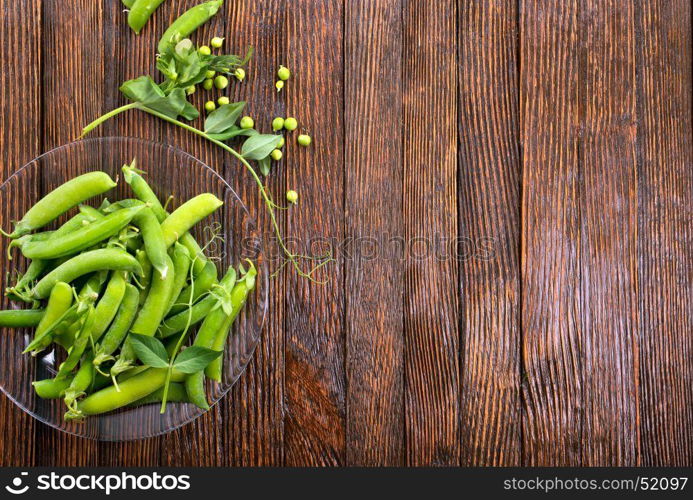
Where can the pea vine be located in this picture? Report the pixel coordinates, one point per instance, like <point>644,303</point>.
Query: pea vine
<point>183,66</point>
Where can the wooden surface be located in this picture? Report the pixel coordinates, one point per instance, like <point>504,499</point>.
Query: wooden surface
<point>509,189</point>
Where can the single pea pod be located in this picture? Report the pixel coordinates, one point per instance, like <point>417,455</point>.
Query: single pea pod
<point>188,22</point>
<point>176,394</point>
<point>187,215</point>
<point>152,312</point>
<point>52,388</point>
<point>195,389</point>
<point>62,199</point>
<point>94,260</point>
<point>145,193</point>
<point>154,244</point>
<point>120,326</point>
<point>74,354</point>
<point>128,391</point>
<point>82,381</point>
<point>21,318</point>
<point>107,307</point>
<point>181,266</point>
<point>59,303</point>
<point>147,271</point>
<point>81,238</point>
<point>239,296</point>
<point>140,12</point>
<point>201,284</point>
<point>22,289</point>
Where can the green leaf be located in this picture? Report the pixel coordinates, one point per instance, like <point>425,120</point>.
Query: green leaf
<point>265,164</point>
<point>195,359</point>
<point>234,132</point>
<point>142,89</point>
<point>259,146</point>
<point>224,117</point>
<point>149,350</point>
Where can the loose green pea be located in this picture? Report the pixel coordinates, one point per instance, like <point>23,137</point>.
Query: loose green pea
<point>191,90</point>
<point>221,82</point>
<point>277,124</point>
<point>204,50</point>
<point>217,42</point>
<point>279,85</point>
<point>292,196</point>
<point>210,106</point>
<point>239,74</point>
<point>247,122</point>
<point>208,84</point>
<point>290,123</point>
<point>223,100</point>
<point>283,73</point>
<point>276,155</point>
<point>281,143</point>
<point>304,140</point>
<point>210,73</point>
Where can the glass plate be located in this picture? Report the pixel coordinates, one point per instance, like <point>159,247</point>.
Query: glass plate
<point>169,172</point>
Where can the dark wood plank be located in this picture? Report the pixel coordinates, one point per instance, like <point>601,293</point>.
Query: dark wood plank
<point>253,412</point>
<point>373,213</point>
<point>608,246</point>
<point>20,119</point>
<point>665,231</point>
<point>489,214</point>
<point>430,216</point>
<point>73,82</point>
<point>315,389</point>
<point>551,310</point>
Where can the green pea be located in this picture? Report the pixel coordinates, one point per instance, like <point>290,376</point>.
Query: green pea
<point>204,50</point>
<point>217,42</point>
<point>283,73</point>
<point>281,143</point>
<point>221,82</point>
<point>276,155</point>
<point>290,123</point>
<point>223,100</point>
<point>210,106</point>
<point>208,84</point>
<point>247,122</point>
<point>239,74</point>
<point>277,124</point>
<point>191,90</point>
<point>304,140</point>
<point>292,196</point>
<point>279,85</point>
<point>210,73</point>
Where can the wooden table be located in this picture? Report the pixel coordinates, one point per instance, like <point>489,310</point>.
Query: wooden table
<point>544,146</point>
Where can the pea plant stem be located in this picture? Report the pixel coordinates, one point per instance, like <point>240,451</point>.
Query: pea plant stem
<point>269,203</point>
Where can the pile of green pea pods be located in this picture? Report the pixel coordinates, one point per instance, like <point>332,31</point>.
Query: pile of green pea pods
<point>120,288</point>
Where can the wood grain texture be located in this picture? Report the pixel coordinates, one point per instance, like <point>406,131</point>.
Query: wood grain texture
<point>608,234</point>
<point>552,344</point>
<point>373,213</point>
<point>431,356</point>
<point>665,232</point>
<point>315,385</point>
<point>20,118</point>
<point>489,214</point>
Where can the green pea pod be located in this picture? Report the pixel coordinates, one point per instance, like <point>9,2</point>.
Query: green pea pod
<point>176,394</point>
<point>21,318</point>
<point>59,303</point>
<point>152,312</point>
<point>51,388</point>
<point>94,260</point>
<point>75,352</point>
<point>89,211</point>
<point>107,308</point>
<point>22,289</point>
<point>153,237</point>
<point>200,285</point>
<point>145,193</point>
<point>181,265</point>
<point>140,12</point>
<point>128,391</point>
<point>239,296</point>
<point>62,199</point>
<point>187,215</point>
<point>116,333</point>
<point>195,389</point>
<point>82,381</point>
<point>188,22</point>
<point>81,238</point>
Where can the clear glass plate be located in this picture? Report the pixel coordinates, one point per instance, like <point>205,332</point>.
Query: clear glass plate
<point>170,172</point>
